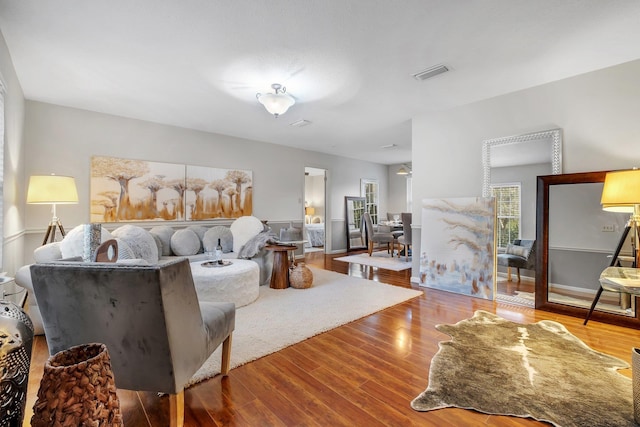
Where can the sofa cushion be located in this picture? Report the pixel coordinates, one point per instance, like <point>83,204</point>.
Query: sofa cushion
<point>140,241</point>
<point>73,243</point>
<point>164,233</point>
<point>185,242</point>
<point>243,229</point>
<point>48,252</point>
<point>219,232</point>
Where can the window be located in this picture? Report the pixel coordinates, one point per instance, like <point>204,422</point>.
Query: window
<point>369,190</point>
<point>508,212</point>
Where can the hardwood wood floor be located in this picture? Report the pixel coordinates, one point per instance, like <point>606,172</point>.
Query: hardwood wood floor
<point>361,374</point>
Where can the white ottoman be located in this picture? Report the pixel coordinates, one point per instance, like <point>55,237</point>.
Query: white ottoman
<point>238,283</point>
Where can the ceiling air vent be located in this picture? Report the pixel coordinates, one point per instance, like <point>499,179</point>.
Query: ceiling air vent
<point>300,123</point>
<point>430,72</point>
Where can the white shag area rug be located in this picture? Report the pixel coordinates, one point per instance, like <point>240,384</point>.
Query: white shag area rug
<point>379,259</point>
<point>283,317</point>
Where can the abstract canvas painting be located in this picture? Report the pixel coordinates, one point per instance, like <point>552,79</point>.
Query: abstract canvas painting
<point>139,190</point>
<point>458,245</point>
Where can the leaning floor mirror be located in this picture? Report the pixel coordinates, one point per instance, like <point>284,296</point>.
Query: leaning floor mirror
<point>511,165</point>
<point>577,239</point>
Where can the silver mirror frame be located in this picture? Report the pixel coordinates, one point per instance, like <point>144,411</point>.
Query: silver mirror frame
<point>556,152</point>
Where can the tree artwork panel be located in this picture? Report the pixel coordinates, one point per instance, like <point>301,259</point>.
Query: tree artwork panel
<point>458,245</point>
<point>138,190</point>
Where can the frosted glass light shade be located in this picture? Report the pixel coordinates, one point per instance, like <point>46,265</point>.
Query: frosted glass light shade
<point>49,189</point>
<point>276,103</point>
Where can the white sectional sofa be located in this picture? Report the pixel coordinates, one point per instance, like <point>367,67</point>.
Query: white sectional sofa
<point>245,238</point>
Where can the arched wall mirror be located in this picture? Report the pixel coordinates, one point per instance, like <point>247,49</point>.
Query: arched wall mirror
<point>511,165</point>
<point>576,239</point>
<point>354,208</point>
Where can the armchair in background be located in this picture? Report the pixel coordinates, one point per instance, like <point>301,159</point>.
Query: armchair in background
<point>519,254</point>
<point>148,316</point>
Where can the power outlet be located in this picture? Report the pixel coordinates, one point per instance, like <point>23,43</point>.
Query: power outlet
<point>608,228</point>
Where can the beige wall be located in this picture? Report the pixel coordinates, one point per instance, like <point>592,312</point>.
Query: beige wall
<point>597,112</point>
<point>62,140</point>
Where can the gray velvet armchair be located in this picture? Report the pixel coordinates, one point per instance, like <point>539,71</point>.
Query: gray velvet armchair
<point>157,333</point>
<point>519,254</point>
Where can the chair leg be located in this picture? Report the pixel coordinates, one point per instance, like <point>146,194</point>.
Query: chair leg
<point>176,409</point>
<point>226,355</point>
<point>518,270</point>
<point>370,247</point>
<point>508,274</point>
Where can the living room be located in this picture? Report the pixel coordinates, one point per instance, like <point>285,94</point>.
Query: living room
<point>596,109</point>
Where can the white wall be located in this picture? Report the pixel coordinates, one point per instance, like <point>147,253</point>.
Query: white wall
<point>62,140</point>
<point>598,113</point>
<point>397,190</point>
<point>14,188</point>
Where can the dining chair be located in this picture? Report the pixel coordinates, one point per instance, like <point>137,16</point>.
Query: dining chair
<point>405,239</point>
<point>377,236</point>
<point>156,332</point>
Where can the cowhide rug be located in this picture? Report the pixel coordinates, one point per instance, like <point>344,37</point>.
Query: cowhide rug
<point>540,371</point>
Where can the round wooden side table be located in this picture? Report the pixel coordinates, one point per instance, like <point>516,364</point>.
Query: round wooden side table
<point>280,272</point>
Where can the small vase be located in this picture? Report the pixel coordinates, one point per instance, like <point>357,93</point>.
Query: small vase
<point>635,372</point>
<point>83,375</point>
<point>300,277</point>
<point>16,338</point>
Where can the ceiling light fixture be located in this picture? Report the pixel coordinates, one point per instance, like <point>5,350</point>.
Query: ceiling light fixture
<point>276,103</point>
<point>389,146</point>
<point>404,170</point>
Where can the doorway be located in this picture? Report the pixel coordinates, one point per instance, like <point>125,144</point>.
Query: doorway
<point>315,182</point>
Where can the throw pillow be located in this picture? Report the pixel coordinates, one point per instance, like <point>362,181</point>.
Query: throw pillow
<point>185,242</point>
<point>212,235</point>
<point>243,229</point>
<point>517,250</point>
<point>164,233</point>
<point>255,245</point>
<point>124,251</point>
<point>73,243</point>
<point>140,241</point>
<point>200,231</point>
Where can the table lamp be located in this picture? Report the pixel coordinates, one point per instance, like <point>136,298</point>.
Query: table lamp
<point>309,211</point>
<point>52,190</point>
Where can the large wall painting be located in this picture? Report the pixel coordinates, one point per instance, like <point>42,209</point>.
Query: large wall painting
<point>138,190</point>
<point>458,246</point>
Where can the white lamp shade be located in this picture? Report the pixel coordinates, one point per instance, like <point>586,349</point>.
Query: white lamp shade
<point>276,103</point>
<point>621,191</point>
<point>52,189</point>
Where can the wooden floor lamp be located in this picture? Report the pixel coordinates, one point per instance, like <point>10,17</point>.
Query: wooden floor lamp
<point>52,190</point>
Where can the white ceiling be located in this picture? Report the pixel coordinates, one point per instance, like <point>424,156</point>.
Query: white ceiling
<point>349,64</point>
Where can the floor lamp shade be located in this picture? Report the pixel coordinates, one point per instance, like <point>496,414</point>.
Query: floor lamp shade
<point>52,189</point>
<point>621,191</point>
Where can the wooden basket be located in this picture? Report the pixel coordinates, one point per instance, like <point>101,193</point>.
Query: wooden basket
<point>78,389</point>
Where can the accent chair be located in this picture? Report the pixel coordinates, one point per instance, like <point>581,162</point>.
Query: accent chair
<point>156,332</point>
